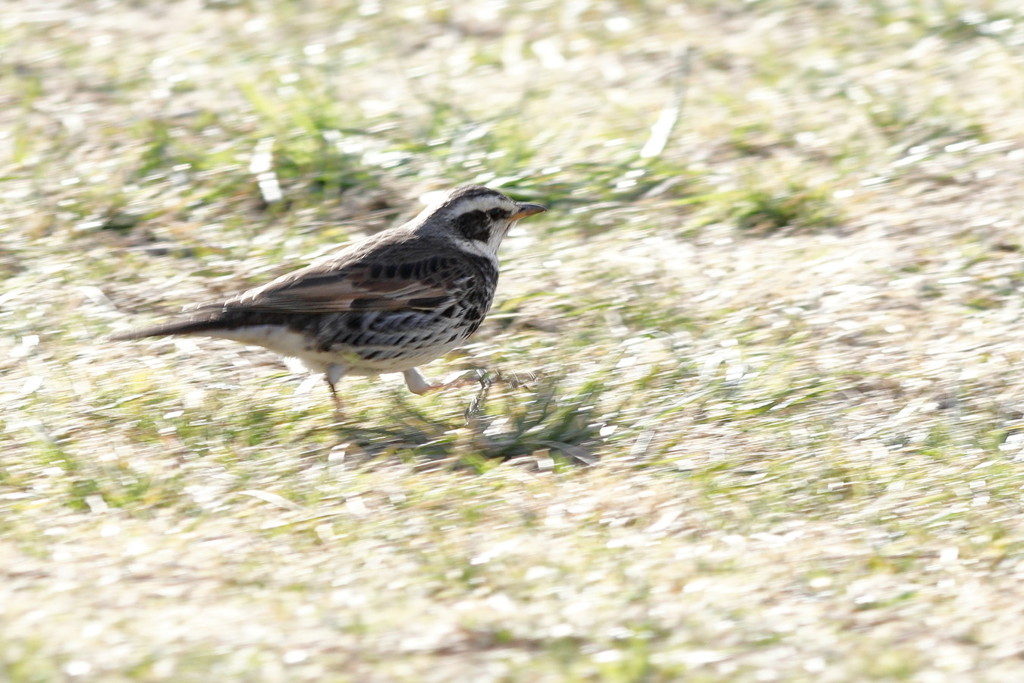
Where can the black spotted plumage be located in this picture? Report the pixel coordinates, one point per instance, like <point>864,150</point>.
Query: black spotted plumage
<point>386,304</point>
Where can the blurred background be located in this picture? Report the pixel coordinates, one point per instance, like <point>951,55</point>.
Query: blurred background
<point>759,419</point>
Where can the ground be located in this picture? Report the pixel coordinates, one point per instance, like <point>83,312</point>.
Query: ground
<point>751,410</point>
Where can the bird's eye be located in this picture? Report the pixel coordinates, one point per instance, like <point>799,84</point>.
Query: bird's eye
<point>474,225</point>
<point>498,214</point>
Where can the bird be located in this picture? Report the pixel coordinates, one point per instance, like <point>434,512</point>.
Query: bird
<point>388,303</point>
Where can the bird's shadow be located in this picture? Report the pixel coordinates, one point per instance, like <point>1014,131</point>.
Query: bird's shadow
<point>509,416</point>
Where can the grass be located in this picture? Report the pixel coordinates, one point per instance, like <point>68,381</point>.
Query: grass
<point>748,408</point>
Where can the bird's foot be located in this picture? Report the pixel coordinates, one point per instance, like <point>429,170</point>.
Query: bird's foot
<point>418,384</point>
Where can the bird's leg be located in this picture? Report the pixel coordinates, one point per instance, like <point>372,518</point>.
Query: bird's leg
<point>334,395</point>
<point>333,374</point>
<point>418,384</point>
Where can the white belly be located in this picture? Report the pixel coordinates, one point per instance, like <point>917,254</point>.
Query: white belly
<point>295,345</point>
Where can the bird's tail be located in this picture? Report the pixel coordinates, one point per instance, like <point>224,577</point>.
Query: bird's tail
<point>171,329</point>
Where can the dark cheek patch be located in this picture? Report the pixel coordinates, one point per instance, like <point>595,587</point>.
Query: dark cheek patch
<point>474,225</point>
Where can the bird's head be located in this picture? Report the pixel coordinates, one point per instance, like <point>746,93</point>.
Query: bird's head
<point>477,218</point>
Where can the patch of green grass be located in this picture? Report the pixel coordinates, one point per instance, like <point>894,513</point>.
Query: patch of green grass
<point>762,211</point>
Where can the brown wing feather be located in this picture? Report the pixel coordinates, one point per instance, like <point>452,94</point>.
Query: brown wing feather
<point>382,279</point>
<point>350,290</point>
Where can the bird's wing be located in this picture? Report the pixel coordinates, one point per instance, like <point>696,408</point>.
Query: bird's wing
<point>416,282</point>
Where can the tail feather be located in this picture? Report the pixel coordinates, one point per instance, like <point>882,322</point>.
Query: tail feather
<point>183,327</point>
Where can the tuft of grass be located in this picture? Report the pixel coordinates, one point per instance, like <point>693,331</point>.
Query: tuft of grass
<point>761,211</point>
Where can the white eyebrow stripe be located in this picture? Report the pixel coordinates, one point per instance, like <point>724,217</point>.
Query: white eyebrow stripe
<point>479,204</point>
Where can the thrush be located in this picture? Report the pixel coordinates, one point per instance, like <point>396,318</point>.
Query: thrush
<point>385,304</point>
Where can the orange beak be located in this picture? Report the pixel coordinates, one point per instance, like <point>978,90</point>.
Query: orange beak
<point>526,210</point>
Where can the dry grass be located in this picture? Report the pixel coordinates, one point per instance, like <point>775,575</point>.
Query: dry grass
<point>772,428</point>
